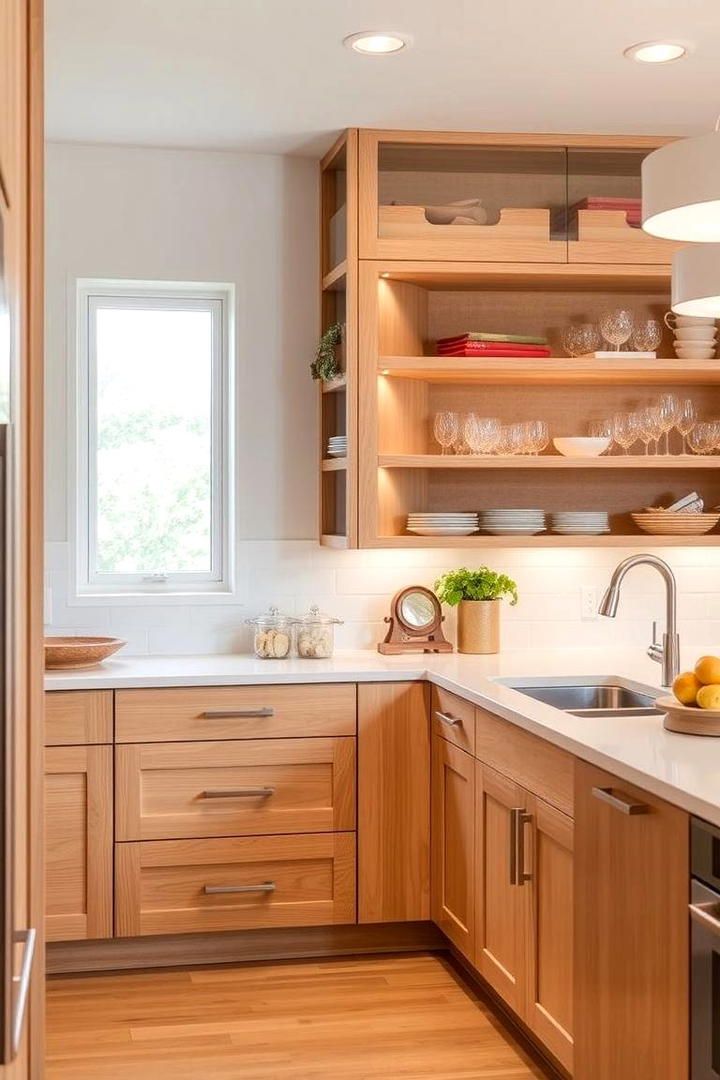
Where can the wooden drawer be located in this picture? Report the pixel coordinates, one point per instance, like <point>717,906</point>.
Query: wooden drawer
<point>234,712</point>
<point>160,886</point>
<point>78,717</point>
<point>533,763</point>
<point>181,790</point>
<point>462,732</point>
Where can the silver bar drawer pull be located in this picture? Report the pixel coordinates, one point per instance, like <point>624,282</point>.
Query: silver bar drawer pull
<point>236,714</point>
<point>216,890</point>
<point>625,806</point>
<point>28,939</point>
<point>446,718</point>
<point>706,915</point>
<point>240,793</point>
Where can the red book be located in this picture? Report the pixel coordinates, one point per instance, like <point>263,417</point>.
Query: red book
<point>467,351</point>
<point>481,347</point>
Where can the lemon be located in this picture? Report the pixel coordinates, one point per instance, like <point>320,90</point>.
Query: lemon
<point>709,697</point>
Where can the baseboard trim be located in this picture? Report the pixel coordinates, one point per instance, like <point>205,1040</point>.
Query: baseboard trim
<point>180,950</point>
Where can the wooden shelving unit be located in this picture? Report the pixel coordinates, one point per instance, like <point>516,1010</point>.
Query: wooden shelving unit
<point>536,265</point>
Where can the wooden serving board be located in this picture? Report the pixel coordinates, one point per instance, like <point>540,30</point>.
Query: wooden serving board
<point>687,720</point>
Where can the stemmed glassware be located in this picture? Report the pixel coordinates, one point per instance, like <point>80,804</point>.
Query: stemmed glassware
<point>703,437</point>
<point>482,433</point>
<point>446,428</point>
<point>646,335</point>
<point>616,326</point>
<point>580,339</point>
<point>626,430</point>
<point>686,421</point>
<point>668,407</point>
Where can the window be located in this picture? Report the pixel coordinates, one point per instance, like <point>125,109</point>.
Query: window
<point>153,426</point>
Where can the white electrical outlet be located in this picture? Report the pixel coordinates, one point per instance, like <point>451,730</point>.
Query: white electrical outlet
<point>588,602</point>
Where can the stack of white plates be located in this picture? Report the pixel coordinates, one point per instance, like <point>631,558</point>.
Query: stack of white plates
<point>337,446</point>
<point>512,522</point>
<point>580,522</point>
<point>443,524</point>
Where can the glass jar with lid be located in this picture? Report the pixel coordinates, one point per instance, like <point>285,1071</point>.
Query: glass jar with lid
<point>273,635</point>
<point>315,636</point>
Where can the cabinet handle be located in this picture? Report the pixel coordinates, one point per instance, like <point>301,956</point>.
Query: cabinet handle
<point>239,793</point>
<point>215,890</point>
<point>519,818</point>
<point>236,714</point>
<point>701,914</point>
<point>446,718</point>
<point>625,806</point>
<point>28,939</point>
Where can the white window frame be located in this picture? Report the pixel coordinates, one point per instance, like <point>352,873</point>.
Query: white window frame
<point>89,584</point>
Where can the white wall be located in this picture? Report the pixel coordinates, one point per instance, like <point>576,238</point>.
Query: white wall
<point>252,220</point>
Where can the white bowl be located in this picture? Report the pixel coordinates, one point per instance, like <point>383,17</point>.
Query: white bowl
<point>579,446</point>
<point>696,333</point>
<point>695,352</point>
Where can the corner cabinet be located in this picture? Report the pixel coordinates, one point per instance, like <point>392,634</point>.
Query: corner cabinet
<point>536,257</point>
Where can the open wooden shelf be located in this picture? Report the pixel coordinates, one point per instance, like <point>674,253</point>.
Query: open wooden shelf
<point>334,464</point>
<point>635,540</point>
<point>333,540</point>
<point>548,461</point>
<point>516,370</point>
<point>335,278</point>
<point>452,276</point>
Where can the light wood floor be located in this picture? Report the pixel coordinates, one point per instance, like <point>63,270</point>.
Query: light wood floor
<point>386,1018</point>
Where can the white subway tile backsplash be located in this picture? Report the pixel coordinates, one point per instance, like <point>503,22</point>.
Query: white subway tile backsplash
<point>357,586</point>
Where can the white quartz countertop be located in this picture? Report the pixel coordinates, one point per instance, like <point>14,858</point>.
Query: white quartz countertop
<point>684,769</point>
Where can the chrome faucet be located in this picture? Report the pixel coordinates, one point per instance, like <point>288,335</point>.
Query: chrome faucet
<point>667,654</point>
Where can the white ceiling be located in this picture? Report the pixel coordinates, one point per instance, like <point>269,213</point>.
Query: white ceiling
<point>272,75</point>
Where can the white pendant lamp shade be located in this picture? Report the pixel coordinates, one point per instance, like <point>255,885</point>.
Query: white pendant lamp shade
<point>681,190</point>
<point>696,280</point>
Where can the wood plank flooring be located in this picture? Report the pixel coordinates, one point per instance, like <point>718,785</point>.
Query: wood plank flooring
<point>408,1017</point>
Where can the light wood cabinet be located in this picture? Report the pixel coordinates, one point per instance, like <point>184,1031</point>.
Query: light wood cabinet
<point>393,803</point>
<point>235,883</point>
<point>548,934</point>
<point>631,897</point>
<point>453,838</point>
<point>78,842</point>
<point>166,791</point>
<point>78,717</point>
<point>500,929</point>
<point>453,719</point>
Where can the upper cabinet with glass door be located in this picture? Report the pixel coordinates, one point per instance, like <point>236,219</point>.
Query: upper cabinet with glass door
<point>504,198</point>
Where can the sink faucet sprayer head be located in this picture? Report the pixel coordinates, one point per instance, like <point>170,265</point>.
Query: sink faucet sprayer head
<point>609,602</point>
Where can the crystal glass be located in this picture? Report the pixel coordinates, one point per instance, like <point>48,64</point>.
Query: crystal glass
<point>538,436</point>
<point>579,339</point>
<point>651,427</point>
<point>626,430</point>
<point>446,428</point>
<point>616,326</point>
<point>482,433</point>
<point>646,335</point>
<point>686,421</point>
<point>702,437</point>
<point>669,408</point>
<point>518,438</point>
<point>602,429</point>
<point>510,440</point>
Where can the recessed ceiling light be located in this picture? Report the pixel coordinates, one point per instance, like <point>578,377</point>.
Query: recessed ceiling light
<point>656,52</point>
<point>376,42</point>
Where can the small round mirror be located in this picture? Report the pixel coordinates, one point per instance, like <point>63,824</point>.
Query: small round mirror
<point>417,610</point>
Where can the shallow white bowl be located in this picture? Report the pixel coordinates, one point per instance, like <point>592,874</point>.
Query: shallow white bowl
<point>581,446</point>
<point>696,333</point>
<point>695,352</point>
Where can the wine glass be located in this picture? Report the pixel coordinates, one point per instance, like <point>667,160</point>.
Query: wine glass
<point>651,427</point>
<point>616,326</point>
<point>626,430</point>
<point>686,421</point>
<point>602,429</point>
<point>588,338</point>
<point>669,408</point>
<point>702,438</point>
<point>646,335</point>
<point>538,436</point>
<point>570,340</point>
<point>482,433</point>
<point>446,428</point>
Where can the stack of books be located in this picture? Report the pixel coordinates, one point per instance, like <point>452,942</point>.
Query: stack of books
<point>479,344</point>
<point>632,207</point>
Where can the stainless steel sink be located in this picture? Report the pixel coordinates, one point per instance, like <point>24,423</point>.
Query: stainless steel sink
<point>591,698</point>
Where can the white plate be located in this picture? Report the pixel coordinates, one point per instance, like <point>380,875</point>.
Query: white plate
<point>420,531</point>
<point>498,531</point>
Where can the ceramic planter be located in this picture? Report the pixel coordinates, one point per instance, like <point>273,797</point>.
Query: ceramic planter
<point>478,626</point>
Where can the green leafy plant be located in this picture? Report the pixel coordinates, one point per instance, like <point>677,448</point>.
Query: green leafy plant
<point>325,365</point>
<point>480,584</point>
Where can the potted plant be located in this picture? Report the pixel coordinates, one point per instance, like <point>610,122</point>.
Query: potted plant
<point>477,595</point>
<point>328,360</point>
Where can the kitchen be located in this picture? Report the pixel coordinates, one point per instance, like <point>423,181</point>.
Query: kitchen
<point>362,772</point>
